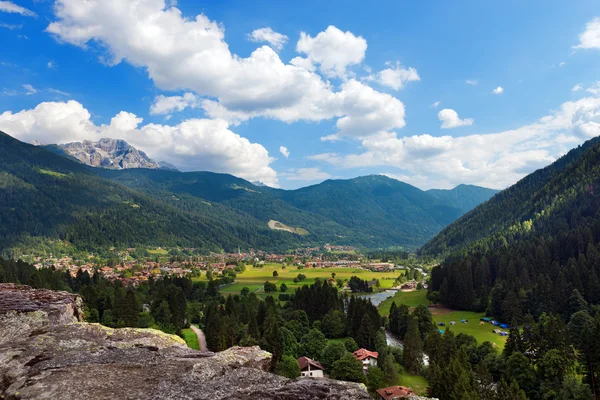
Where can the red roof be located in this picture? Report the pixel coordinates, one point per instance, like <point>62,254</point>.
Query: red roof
<point>304,362</point>
<point>361,354</point>
<point>396,392</point>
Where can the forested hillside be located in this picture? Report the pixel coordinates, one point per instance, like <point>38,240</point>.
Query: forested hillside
<point>540,261</point>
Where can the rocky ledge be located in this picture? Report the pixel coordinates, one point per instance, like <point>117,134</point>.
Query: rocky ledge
<point>46,352</point>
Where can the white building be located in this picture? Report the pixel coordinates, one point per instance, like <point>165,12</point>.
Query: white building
<point>368,358</point>
<point>310,368</point>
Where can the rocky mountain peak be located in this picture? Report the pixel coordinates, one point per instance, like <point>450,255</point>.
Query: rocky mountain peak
<point>109,153</point>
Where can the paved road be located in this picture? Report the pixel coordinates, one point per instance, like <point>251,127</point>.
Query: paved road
<point>201,338</point>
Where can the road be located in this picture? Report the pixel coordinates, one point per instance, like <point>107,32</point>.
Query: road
<point>201,338</point>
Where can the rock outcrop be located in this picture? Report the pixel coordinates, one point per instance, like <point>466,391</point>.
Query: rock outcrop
<point>109,153</point>
<point>46,352</point>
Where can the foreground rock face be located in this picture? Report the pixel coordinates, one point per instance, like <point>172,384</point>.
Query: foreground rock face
<point>46,352</point>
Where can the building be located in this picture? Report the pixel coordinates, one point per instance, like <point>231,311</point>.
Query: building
<point>368,358</point>
<point>310,367</point>
<point>395,392</point>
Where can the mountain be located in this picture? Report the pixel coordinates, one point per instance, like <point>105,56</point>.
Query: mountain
<point>109,153</point>
<point>465,197</point>
<point>51,200</point>
<point>528,201</point>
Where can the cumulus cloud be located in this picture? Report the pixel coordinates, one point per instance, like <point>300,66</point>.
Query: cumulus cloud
<point>395,76</point>
<point>494,160</point>
<point>168,104</point>
<point>333,49</point>
<point>450,119</point>
<point>590,38</point>
<point>194,144</point>
<point>191,54</point>
<point>577,88</point>
<point>498,90</point>
<point>594,89</point>
<point>284,151</point>
<point>472,82</point>
<point>268,35</point>
<point>306,175</point>
<point>10,7</point>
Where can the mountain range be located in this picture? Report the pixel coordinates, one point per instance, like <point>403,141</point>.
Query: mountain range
<point>51,198</point>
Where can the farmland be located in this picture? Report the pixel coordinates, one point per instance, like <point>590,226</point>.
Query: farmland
<point>254,278</point>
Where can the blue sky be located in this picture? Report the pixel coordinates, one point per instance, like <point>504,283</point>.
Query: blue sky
<point>431,93</point>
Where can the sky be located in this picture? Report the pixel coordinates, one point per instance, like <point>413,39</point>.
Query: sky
<point>291,93</point>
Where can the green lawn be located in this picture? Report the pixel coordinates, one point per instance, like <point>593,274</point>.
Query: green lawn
<point>417,383</point>
<point>480,332</point>
<point>411,299</point>
<point>190,338</point>
<point>158,252</point>
<point>254,278</point>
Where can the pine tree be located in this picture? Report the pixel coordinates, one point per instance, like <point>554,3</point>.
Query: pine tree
<point>413,347</point>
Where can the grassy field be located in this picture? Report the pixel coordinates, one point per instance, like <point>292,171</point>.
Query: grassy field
<point>440,314</point>
<point>191,338</point>
<point>418,383</point>
<point>411,299</point>
<point>158,252</point>
<point>254,278</point>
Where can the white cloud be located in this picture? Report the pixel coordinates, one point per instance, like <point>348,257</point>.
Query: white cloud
<point>11,27</point>
<point>51,64</point>
<point>450,119</point>
<point>194,144</point>
<point>51,90</point>
<point>284,151</point>
<point>306,175</point>
<point>191,54</point>
<point>577,88</point>
<point>594,89</point>
<point>494,160</point>
<point>498,90</point>
<point>29,89</point>
<point>436,104</point>
<point>169,104</point>
<point>395,76</point>
<point>10,7</point>
<point>333,50</point>
<point>275,39</point>
<point>590,38</point>
<point>471,82</point>
<point>562,64</point>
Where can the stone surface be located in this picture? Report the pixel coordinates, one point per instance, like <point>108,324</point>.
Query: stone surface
<point>49,354</point>
<point>109,153</point>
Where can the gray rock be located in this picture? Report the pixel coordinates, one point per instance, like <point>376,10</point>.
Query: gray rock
<point>109,153</point>
<point>46,352</point>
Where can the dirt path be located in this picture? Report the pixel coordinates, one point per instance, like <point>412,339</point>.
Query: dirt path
<point>201,338</point>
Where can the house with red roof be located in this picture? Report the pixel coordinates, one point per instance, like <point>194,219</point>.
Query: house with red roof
<point>368,358</point>
<point>395,392</point>
<point>310,368</point>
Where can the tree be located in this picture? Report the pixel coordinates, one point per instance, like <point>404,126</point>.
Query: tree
<point>314,343</point>
<point>374,379</point>
<point>289,343</point>
<point>350,345</point>
<point>413,347</point>
<point>573,389</point>
<point>283,288</point>
<point>424,320</point>
<point>275,274</point>
<point>245,291</point>
<point>390,369</point>
<point>288,367</point>
<point>334,324</point>
<point>270,287</point>
<point>349,369</point>
<point>331,353</point>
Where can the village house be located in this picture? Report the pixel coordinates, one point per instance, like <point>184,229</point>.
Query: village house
<point>368,358</point>
<point>310,368</point>
<point>395,392</point>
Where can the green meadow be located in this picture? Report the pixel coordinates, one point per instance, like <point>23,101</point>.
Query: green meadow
<point>441,314</point>
<point>254,278</point>
<point>190,338</point>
